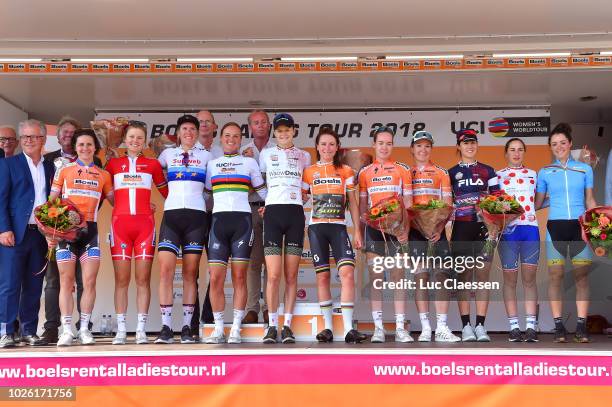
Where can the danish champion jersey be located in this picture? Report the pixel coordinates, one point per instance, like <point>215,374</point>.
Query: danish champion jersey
<point>520,182</point>
<point>565,187</point>
<point>283,168</point>
<point>470,182</point>
<point>430,182</point>
<point>230,179</point>
<point>186,177</point>
<point>380,181</point>
<point>84,185</point>
<point>132,181</point>
<point>328,186</point>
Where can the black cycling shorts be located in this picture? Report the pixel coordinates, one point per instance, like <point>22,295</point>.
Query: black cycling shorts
<point>380,243</point>
<point>468,238</point>
<point>231,235</point>
<point>322,236</point>
<point>183,228</point>
<point>283,221</point>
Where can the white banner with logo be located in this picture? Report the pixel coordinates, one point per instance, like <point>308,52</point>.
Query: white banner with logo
<point>355,128</point>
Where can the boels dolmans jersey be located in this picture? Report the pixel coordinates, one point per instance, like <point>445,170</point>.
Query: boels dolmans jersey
<point>328,186</point>
<point>430,182</point>
<point>380,181</point>
<point>84,185</point>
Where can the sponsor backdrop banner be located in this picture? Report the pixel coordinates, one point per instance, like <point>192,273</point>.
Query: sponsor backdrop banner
<point>355,127</point>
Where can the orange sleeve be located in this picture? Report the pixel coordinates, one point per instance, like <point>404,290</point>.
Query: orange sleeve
<point>58,180</point>
<point>349,176</point>
<point>363,187</point>
<point>107,188</point>
<point>406,181</point>
<point>445,185</point>
<point>306,180</point>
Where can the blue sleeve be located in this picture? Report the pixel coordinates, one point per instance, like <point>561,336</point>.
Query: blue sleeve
<point>5,192</point>
<point>541,186</point>
<point>588,181</point>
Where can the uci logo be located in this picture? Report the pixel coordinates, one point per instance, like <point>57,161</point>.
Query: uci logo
<point>470,183</point>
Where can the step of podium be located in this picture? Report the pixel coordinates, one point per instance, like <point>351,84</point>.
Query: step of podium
<point>368,327</point>
<point>304,327</point>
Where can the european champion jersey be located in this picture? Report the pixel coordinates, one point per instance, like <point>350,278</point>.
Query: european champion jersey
<point>186,177</point>
<point>133,178</point>
<point>565,186</point>
<point>470,182</point>
<point>283,169</point>
<point>230,179</point>
<point>520,182</point>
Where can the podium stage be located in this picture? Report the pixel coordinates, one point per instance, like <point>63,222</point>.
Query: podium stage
<point>497,373</point>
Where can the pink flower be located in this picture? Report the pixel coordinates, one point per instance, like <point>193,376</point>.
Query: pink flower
<point>603,221</point>
<point>603,236</point>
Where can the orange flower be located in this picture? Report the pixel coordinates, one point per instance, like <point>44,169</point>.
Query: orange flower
<point>374,211</point>
<point>600,251</point>
<point>603,221</point>
<point>491,198</point>
<point>393,202</point>
<point>53,212</point>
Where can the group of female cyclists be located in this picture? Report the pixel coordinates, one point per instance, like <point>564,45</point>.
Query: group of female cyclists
<point>285,178</point>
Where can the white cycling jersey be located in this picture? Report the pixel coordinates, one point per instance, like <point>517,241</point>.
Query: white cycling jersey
<point>186,177</point>
<point>520,182</point>
<point>283,169</point>
<point>230,179</point>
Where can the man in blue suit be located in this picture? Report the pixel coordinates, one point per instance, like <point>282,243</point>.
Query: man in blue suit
<point>24,184</point>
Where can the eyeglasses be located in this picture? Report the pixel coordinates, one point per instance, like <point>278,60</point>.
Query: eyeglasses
<point>384,129</point>
<point>8,140</point>
<point>33,138</point>
<point>137,123</point>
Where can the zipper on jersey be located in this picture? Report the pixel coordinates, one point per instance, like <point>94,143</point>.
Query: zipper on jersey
<point>569,216</point>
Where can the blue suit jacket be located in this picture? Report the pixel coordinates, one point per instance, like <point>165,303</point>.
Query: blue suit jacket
<point>17,193</point>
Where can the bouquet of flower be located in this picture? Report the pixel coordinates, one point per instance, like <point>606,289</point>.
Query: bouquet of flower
<point>596,225</point>
<point>160,143</point>
<point>430,219</point>
<point>586,155</point>
<point>497,212</point>
<point>59,220</point>
<point>110,133</point>
<point>389,216</point>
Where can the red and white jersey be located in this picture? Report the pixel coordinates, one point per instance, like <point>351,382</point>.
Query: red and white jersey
<point>132,181</point>
<point>520,182</point>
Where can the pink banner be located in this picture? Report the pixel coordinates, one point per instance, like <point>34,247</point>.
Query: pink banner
<point>306,369</point>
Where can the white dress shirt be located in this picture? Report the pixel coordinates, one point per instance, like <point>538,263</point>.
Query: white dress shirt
<point>38,179</point>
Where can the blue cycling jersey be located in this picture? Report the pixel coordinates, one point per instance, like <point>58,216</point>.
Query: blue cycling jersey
<point>565,186</point>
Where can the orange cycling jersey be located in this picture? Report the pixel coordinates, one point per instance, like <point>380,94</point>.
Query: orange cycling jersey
<point>380,181</point>
<point>328,186</point>
<point>85,185</point>
<point>430,182</point>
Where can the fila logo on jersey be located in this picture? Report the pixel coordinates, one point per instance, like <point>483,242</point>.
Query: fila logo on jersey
<point>332,181</point>
<point>382,179</point>
<point>470,183</point>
